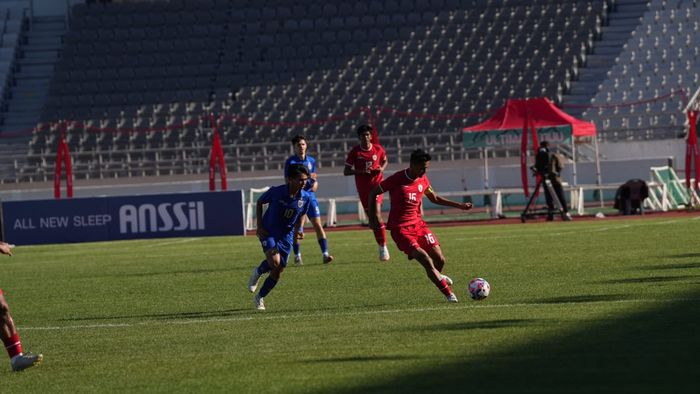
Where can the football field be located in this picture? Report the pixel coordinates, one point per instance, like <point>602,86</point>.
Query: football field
<point>576,307</point>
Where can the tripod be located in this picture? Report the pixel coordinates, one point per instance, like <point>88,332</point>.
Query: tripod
<point>530,212</point>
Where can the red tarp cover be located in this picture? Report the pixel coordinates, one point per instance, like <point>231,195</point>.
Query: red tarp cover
<point>542,114</point>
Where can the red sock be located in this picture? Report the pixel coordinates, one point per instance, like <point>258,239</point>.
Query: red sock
<point>444,288</point>
<point>380,235</point>
<point>13,345</point>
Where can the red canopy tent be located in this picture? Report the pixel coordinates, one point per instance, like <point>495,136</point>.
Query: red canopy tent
<point>532,114</point>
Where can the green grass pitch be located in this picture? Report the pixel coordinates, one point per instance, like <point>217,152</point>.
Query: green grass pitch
<point>580,307</point>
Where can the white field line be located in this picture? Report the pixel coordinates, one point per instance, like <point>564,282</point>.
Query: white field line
<point>180,241</point>
<point>323,315</point>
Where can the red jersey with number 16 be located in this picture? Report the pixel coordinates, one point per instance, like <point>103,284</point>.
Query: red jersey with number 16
<point>406,198</point>
<point>370,159</point>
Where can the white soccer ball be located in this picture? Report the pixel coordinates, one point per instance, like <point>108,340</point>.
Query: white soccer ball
<point>479,289</point>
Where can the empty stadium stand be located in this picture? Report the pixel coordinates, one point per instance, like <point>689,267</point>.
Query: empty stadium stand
<point>660,57</point>
<point>287,67</point>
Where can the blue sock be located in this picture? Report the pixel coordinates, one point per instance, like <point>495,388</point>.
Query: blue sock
<point>267,286</point>
<point>263,267</point>
<point>296,248</point>
<point>323,243</point>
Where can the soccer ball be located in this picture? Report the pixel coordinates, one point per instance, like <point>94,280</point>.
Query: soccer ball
<point>479,289</point>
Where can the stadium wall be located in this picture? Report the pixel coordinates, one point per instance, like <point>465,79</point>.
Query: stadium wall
<point>445,175</point>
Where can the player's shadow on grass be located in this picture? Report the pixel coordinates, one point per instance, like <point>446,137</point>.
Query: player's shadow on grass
<point>684,255</point>
<point>359,359</point>
<point>650,349</point>
<point>170,272</point>
<point>670,266</point>
<point>655,279</point>
<point>582,299</point>
<point>168,316</point>
<point>490,325</point>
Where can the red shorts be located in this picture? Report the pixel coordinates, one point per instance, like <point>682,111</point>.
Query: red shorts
<point>364,197</point>
<point>410,238</point>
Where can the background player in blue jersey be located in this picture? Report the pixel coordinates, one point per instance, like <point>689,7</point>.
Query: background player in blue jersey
<point>301,158</point>
<point>277,227</point>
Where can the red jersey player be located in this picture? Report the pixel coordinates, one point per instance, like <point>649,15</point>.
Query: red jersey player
<point>367,162</point>
<point>8,332</point>
<point>406,224</point>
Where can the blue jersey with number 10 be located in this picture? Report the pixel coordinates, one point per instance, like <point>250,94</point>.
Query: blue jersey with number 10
<point>283,210</point>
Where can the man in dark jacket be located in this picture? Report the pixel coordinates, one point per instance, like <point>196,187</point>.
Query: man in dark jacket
<point>549,166</point>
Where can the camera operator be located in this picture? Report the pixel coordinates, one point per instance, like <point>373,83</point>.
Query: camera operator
<point>549,166</point>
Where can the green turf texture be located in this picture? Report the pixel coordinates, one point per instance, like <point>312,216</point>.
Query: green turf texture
<point>576,307</point>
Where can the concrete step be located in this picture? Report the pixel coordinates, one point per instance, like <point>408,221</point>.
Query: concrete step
<point>598,61</point>
<point>48,25</point>
<point>44,40</point>
<point>583,89</point>
<point>34,83</point>
<point>616,35</point>
<point>38,58</point>
<point>607,51</point>
<point>26,103</point>
<point>35,71</point>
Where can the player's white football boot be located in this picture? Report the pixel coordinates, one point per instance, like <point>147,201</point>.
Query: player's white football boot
<point>297,260</point>
<point>253,281</point>
<point>384,253</point>
<point>259,302</point>
<point>327,258</point>
<point>23,361</point>
<point>452,298</point>
<point>447,279</point>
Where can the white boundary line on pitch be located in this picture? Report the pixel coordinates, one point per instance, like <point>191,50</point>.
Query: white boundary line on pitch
<point>261,316</point>
<point>179,241</point>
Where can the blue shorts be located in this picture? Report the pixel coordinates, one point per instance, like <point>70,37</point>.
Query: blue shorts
<point>282,245</point>
<point>314,209</point>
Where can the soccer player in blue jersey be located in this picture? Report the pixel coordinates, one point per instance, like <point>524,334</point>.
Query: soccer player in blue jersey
<point>277,228</point>
<point>301,158</point>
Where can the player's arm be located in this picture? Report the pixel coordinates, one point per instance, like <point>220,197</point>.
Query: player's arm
<point>313,182</point>
<point>5,248</point>
<point>383,162</point>
<point>260,231</point>
<point>374,219</point>
<point>436,199</point>
<point>348,170</point>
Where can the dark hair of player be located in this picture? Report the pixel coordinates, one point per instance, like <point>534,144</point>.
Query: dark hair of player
<point>296,169</point>
<point>364,128</point>
<point>419,156</point>
<point>298,138</point>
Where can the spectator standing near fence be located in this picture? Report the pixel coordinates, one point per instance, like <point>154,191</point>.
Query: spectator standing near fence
<point>367,162</point>
<point>8,331</point>
<point>302,158</point>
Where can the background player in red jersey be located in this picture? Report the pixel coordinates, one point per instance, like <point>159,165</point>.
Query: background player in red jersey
<point>8,331</point>
<point>367,162</point>
<point>408,229</point>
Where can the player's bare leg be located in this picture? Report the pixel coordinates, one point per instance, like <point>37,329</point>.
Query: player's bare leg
<point>274,260</point>
<point>439,262</point>
<point>322,240</point>
<point>296,246</point>
<point>380,236</point>
<point>10,338</point>
<point>433,274</point>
